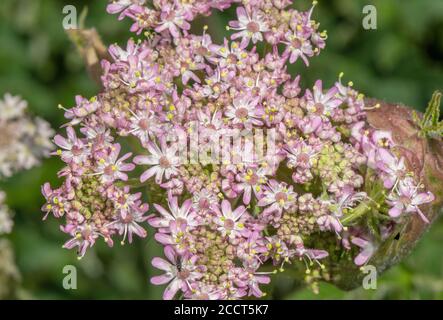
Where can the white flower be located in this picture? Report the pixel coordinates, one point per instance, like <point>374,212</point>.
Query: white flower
<point>23,140</point>
<point>250,26</point>
<point>12,107</point>
<point>6,222</point>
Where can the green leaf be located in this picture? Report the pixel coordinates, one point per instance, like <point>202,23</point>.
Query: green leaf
<point>430,125</point>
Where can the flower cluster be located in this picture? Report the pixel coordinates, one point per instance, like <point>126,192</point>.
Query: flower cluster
<point>6,222</point>
<point>270,20</point>
<point>164,16</point>
<point>91,199</point>
<point>223,223</point>
<point>9,274</point>
<point>23,140</point>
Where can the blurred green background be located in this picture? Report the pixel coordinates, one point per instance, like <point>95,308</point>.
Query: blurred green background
<point>401,61</point>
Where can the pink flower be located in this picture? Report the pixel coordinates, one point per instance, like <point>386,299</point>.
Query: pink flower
<point>278,196</point>
<point>172,18</point>
<point>291,89</point>
<point>143,126</point>
<point>297,47</point>
<point>301,154</point>
<point>254,282</point>
<point>372,143</point>
<point>204,200</point>
<point>393,169</point>
<point>182,215</point>
<point>309,124</point>
<point>322,103</point>
<point>251,26</point>
<point>367,250</point>
<point>121,6</point>
<point>231,56</point>
<point>230,223</point>
<point>84,236</point>
<point>111,168</point>
<point>330,223</point>
<point>163,162</point>
<point>406,199</point>
<point>244,111</point>
<point>175,235</point>
<point>131,214</point>
<point>180,272</point>
<point>74,148</point>
<point>348,199</point>
<point>251,182</point>
<point>205,292</point>
<point>310,254</point>
<point>83,108</point>
<point>54,201</point>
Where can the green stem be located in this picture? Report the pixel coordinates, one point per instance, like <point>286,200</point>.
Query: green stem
<point>358,212</point>
<point>133,183</point>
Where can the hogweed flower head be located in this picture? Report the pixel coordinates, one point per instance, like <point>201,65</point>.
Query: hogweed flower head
<point>243,167</point>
